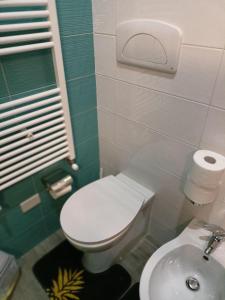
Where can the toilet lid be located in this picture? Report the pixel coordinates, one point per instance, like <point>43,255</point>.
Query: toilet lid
<point>100,210</point>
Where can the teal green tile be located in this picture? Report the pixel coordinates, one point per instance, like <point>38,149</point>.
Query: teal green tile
<point>3,88</point>
<point>75,17</point>
<point>14,222</point>
<point>78,54</point>
<point>82,94</point>
<point>51,205</point>
<point>87,152</point>
<point>88,175</point>
<point>17,193</point>
<point>52,222</point>
<point>29,71</point>
<point>32,92</point>
<point>26,241</point>
<point>4,100</point>
<point>85,126</point>
<point>66,166</point>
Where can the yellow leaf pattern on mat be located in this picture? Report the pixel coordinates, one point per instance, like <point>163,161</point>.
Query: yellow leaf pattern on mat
<point>67,285</point>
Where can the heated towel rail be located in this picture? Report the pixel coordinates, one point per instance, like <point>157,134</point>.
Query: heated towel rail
<point>35,131</point>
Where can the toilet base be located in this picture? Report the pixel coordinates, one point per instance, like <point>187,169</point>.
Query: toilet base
<point>98,262</point>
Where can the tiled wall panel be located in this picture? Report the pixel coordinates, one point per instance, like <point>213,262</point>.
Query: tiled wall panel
<point>23,74</point>
<point>151,123</point>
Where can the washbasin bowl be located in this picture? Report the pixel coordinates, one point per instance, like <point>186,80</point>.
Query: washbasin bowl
<point>185,274</point>
<point>179,270</point>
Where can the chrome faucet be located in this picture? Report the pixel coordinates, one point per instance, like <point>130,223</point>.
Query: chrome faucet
<point>218,235</point>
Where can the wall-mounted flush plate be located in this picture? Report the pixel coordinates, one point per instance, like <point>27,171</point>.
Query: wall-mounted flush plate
<point>150,44</point>
<point>30,203</point>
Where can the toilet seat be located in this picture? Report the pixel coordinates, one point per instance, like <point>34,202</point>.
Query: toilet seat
<point>96,246</point>
<point>100,211</point>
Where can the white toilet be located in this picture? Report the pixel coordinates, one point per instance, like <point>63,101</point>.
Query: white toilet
<point>104,218</point>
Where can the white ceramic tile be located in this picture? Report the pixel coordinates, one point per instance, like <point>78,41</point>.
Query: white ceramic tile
<point>168,206</point>
<point>214,134</point>
<point>202,21</point>
<point>130,135</point>
<point>160,233</point>
<point>145,148</point>
<point>114,156</point>
<point>169,201</point>
<point>107,152</point>
<point>123,158</point>
<point>217,212</point>
<point>144,156</point>
<point>108,170</point>
<point>219,93</point>
<point>106,93</point>
<point>194,79</point>
<point>104,16</point>
<point>175,210</point>
<point>171,115</point>
<point>105,55</point>
<point>139,126</point>
<point>106,125</point>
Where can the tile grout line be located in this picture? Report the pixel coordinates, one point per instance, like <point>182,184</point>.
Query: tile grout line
<point>81,77</point>
<point>75,35</point>
<point>154,90</point>
<point>119,147</point>
<point>161,133</point>
<point>52,85</point>
<point>162,92</point>
<point>89,139</point>
<point>216,79</point>
<point>33,90</point>
<point>183,44</point>
<point>211,100</point>
<point>73,116</point>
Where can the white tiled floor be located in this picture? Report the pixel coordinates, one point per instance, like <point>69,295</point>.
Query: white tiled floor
<point>136,259</point>
<point>28,287</point>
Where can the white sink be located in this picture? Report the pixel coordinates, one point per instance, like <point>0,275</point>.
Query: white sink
<point>178,270</point>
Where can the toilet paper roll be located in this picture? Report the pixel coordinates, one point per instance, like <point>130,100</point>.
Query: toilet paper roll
<point>59,185</point>
<point>199,195</point>
<point>207,169</point>
<point>62,192</point>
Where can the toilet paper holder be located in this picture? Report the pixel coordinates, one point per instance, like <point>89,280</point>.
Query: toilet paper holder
<point>58,183</point>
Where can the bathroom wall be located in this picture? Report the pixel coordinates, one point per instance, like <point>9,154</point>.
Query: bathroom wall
<point>150,123</point>
<point>24,74</point>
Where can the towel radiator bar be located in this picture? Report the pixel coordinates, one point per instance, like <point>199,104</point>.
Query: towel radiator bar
<point>35,131</point>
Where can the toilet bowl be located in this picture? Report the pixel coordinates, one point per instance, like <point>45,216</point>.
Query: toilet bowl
<point>103,218</point>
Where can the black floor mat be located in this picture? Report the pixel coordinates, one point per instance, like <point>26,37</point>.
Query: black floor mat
<point>133,293</point>
<point>62,275</point>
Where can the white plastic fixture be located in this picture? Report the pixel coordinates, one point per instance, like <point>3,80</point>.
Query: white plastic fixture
<point>167,270</point>
<point>149,44</point>
<point>35,131</point>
